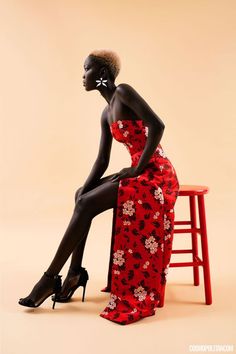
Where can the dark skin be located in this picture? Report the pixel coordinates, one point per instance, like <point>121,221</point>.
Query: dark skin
<point>99,194</point>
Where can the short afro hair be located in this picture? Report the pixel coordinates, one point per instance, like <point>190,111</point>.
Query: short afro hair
<point>108,58</point>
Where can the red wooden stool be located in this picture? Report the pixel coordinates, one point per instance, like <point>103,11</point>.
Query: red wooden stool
<point>191,191</point>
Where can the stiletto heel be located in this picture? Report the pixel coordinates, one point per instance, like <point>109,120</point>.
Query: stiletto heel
<point>53,304</point>
<point>56,289</point>
<point>84,285</point>
<point>77,279</point>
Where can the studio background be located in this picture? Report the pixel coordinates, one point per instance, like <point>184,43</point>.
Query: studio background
<point>180,56</point>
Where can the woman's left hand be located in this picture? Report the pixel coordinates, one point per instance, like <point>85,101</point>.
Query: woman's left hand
<point>124,173</point>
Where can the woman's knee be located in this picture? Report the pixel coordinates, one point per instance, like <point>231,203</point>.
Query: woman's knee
<point>83,203</point>
<point>96,201</point>
<point>77,192</point>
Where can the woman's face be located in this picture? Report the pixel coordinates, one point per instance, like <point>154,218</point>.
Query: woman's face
<point>91,74</point>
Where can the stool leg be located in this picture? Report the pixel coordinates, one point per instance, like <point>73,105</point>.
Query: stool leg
<point>192,205</point>
<point>205,256</point>
<point>162,296</point>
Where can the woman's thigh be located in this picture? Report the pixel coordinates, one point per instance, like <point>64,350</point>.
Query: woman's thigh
<point>103,180</point>
<point>98,199</point>
<point>96,184</point>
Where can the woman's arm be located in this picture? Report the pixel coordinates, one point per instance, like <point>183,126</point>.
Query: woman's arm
<point>155,125</point>
<point>103,158</point>
<point>155,129</point>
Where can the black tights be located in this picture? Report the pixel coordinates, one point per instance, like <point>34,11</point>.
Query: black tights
<point>89,204</point>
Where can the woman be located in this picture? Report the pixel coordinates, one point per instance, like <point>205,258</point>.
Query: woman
<point>142,197</point>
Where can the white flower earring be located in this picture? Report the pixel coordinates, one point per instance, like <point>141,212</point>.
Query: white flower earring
<point>101,81</point>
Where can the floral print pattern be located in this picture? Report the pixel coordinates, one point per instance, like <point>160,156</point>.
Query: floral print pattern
<point>151,244</point>
<point>159,195</point>
<point>128,207</point>
<point>118,259</point>
<point>140,293</point>
<point>112,302</point>
<point>143,230</point>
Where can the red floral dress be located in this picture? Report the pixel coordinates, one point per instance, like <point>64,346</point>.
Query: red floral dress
<point>142,232</point>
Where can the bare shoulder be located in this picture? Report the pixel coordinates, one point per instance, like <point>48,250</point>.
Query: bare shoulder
<point>129,96</point>
<point>123,89</point>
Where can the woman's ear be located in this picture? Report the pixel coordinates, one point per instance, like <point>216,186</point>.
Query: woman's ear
<point>103,72</point>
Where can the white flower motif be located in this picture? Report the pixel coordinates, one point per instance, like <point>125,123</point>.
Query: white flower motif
<point>166,222</point>
<point>161,152</point>
<point>140,201</point>
<point>153,248</point>
<point>155,216</point>
<point>159,195</point>
<point>150,240</point>
<point>134,310</point>
<point>120,124</point>
<point>116,272</point>
<point>166,271</point>
<point>104,313</point>
<point>146,131</point>
<point>152,296</point>
<point>118,259</point>
<point>101,81</point>
<point>161,167</point>
<point>130,251</point>
<point>140,293</point>
<point>151,244</point>
<point>146,264</point>
<point>126,133</point>
<point>126,222</point>
<point>167,236</point>
<point>128,208</point>
<point>112,303</point>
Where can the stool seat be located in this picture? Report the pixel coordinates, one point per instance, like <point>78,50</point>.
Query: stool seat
<point>189,189</point>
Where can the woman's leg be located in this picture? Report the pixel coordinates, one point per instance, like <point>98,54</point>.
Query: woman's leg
<point>88,205</point>
<point>77,255</point>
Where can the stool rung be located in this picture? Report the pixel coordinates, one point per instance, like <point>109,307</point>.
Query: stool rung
<point>184,231</point>
<point>186,264</point>
<point>182,251</point>
<point>182,222</point>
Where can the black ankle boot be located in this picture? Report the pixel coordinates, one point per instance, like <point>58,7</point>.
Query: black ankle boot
<point>73,281</point>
